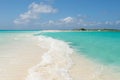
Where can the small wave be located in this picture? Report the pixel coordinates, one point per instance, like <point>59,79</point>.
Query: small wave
<point>55,63</point>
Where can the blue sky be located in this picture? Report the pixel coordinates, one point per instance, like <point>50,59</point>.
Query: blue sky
<point>59,14</point>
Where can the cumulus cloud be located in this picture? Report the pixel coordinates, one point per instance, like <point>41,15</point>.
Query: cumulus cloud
<point>117,22</point>
<point>109,23</point>
<point>51,22</point>
<point>67,20</point>
<point>114,23</point>
<point>34,11</point>
<point>76,22</point>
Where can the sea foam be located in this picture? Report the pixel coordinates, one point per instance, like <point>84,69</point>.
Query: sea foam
<point>55,63</point>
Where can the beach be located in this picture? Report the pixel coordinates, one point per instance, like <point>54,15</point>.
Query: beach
<point>37,56</point>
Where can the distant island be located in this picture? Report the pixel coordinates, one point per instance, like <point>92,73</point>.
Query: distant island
<point>83,29</point>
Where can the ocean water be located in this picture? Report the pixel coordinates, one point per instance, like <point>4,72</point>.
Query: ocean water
<point>100,46</point>
<point>42,55</point>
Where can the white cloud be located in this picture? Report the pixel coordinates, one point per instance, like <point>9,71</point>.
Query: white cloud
<point>109,23</point>
<point>75,22</point>
<point>114,23</point>
<point>35,10</point>
<point>67,20</point>
<point>117,22</point>
<point>51,22</point>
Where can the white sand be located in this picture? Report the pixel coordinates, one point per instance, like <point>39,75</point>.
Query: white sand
<point>87,69</point>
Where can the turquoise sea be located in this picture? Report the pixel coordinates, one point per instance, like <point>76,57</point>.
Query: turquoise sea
<point>44,55</point>
<point>101,46</point>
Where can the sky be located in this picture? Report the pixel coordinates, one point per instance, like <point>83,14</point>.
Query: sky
<point>59,14</point>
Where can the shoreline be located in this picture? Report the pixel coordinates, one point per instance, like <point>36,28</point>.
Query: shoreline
<point>80,30</point>
<point>53,61</point>
<point>87,30</point>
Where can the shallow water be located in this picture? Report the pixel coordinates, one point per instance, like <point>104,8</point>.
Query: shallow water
<point>101,46</point>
